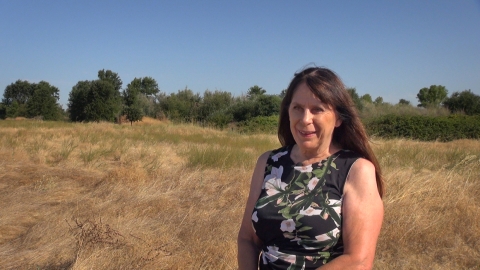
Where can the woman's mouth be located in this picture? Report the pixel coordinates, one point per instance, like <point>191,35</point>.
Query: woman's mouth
<point>306,133</point>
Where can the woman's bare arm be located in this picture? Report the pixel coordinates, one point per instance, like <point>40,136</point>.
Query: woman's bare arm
<point>362,213</point>
<point>248,242</point>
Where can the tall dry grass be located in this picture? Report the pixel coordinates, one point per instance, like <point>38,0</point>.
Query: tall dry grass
<point>162,196</point>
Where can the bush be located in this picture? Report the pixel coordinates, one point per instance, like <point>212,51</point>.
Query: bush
<point>426,128</point>
<point>259,124</point>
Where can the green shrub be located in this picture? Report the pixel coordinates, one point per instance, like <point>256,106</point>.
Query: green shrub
<point>259,124</point>
<point>426,128</point>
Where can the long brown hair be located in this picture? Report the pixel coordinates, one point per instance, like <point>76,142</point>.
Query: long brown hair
<point>329,88</point>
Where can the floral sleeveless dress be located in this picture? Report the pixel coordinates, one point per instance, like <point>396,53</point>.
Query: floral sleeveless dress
<point>298,213</point>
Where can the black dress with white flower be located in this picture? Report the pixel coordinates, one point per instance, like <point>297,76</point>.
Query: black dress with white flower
<point>298,214</point>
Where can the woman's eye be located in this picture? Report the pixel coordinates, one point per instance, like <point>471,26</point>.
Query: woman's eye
<point>317,110</point>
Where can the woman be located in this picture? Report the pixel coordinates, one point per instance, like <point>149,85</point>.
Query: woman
<point>316,201</point>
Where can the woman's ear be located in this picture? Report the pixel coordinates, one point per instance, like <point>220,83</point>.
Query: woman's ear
<point>338,119</point>
<point>338,122</point>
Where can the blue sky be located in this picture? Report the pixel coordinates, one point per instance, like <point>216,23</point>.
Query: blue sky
<point>390,49</point>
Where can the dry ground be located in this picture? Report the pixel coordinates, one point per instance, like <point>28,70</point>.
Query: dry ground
<point>162,196</point>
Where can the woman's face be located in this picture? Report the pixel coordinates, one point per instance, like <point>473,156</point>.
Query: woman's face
<point>311,121</point>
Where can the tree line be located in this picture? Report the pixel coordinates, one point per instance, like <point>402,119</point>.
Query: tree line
<point>104,99</point>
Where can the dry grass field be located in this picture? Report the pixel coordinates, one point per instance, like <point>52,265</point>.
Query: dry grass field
<point>163,196</point>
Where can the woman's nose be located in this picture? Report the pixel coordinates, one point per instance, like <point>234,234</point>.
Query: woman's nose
<point>307,116</point>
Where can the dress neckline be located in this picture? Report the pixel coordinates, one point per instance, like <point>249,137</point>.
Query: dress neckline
<point>290,148</point>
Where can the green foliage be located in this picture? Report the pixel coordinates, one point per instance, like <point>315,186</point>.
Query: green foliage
<point>213,102</point>
<point>112,77</point>
<point>371,111</point>
<point>426,128</point>
<point>432,96</point>
<point>181,106</point>
<point>44,102</point>
<point>260,124</point>
<point>94,101</point>
<point>367,98</point>
<point>267,105</point>
<point>255,91</point>
<point>147,86</point>
<point>378,101</point>
<point>356,98</point>
<point>3,111</point>
<point>24,99</point>
<point>403,102</point>
<point>242,109</point>
<point>133,113</point>
<point>20,91</point>
<point>464,101</point>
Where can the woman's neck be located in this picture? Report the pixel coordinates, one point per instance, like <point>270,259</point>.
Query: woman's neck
<point>306,157</point>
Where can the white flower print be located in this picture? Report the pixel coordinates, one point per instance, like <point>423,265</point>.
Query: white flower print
<point>274,186</point>
<point>310,211</point>
<point>254,216</point>
<point>304,169</point>
<point>287,225</point>
<point>276,173</point>
<point>271,254</point>
<point>278,155</point>
<point>325,236</point>
<point>312,183</point>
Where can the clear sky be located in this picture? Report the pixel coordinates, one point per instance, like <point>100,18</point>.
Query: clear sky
<point>390,49</point>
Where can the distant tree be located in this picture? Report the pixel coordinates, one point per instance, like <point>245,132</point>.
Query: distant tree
<point>242,109</point>
<point>104,103</point>
<point>44,102</point>
<point>378,101</point>
<point>146,89</point>
<point>355,98</point>
<point>464,101</point>
<point>112,77</point>
<point>78,100</point>
<point>181,106</point>
<point>131,102</point>
<point>432,96</point>
<point>20,91</point>
<point>266,105</point>
<point>212,103</point>
<point>366,98</point>
<point>3,111</point>
<point>255,91</point>
<point>283,93</point>
<point>15,98</point>
<point>94,101</point>
<point>403,102</point>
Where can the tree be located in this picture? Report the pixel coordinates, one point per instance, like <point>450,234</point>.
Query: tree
<point>378,101</point>
<point>366,98</point>
<point>266,105</point>
<point>464,101</point>
<point>44,102</point>
<point>15,98</point>
<point>432,96</point>
<point>103,102</point>
<point>97,100</point>
<point>20,91</point>
<point>147,89</point>
<point>255,91</point>
<point>182,106</point>
<point>78,100</point>
<point>355,98</point>
<point>131,101</point>
<point>112,77</point>
<point>403,102</point>
<point>214,104</point>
